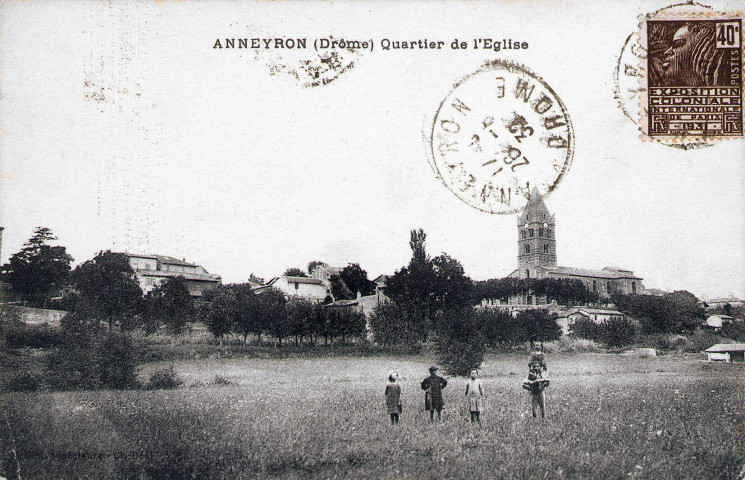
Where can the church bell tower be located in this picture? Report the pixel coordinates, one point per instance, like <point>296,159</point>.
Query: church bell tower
<point>536,241</point>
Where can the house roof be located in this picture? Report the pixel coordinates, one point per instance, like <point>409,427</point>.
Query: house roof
<point>584,272</point>
<point>163,259</point>
<point>343,303</point>
<point>291,279</point>
<point>174,261</point>
<point>723,317</point>
<point>208,277</point>
<point>382,278</point>
<point>727,347</point>
<point>592,311</point>
<point>725,300</point>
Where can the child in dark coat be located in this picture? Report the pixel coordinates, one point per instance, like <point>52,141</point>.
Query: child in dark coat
<point>393,398</point>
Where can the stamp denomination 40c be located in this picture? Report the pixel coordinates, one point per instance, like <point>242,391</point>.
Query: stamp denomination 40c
<point>693,74</point>
<point>501,132</point>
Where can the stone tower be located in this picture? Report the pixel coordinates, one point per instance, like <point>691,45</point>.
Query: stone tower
<point>536,240</point>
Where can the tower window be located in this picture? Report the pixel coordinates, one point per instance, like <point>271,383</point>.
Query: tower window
<point>527,248</point>
<point>594,286</point>
<point>531,232</point>
<point>607,286</point>
<point>540,232</point>
<point>527,275</point>
<point>548,233</point>
<point>633,288</point>
<point>545,248</point>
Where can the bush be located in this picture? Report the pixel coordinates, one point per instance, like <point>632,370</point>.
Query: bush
<point>571,345</point>
<point>20,335</point>
<point>701,339</point>
<point>585,328</point>
<point>617,332</point>
<point>220,380</point>
<point>165,379</point>
<point>734,330</point>
<point>459,357</point>
<point>91,359</point>
<point>460,345</point>
<point>23,383</point>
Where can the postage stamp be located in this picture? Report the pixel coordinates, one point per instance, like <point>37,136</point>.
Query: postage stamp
<point>501,132</point>
<point>691,74</point>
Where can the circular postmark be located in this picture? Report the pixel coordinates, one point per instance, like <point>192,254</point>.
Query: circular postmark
<point>501,132</point>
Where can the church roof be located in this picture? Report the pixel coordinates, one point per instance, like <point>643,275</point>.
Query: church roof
<point>584,272</point>
<point>535,209</point>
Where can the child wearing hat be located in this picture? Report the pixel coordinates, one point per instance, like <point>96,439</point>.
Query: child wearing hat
<point>393,397</point>
<point>432,387</point>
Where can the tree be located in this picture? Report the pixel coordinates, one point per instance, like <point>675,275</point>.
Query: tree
<point>451,287</point>
<point>355,278</point>
<point>313,264</point>
<point>172,304</point>
<point>38,268</point>
<point>674,312</point>
<point>339,289</point>
<point>221,313</point>
<point>539,325</point>
<point>299,315</point>
<point>273,309</point>
<point>345,323</point>
<point>498,326</point>
<point>295,272</point>
<point>617,332</point>
<point>247,311</point>
<point>108,289</point>
<point>460,343</point>
<point>396,323</point>
<point>427,287</point>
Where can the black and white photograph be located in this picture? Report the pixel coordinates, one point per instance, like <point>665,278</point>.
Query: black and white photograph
<point>372,239</point>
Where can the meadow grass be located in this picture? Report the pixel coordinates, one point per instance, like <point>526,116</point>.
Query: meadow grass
<point>608,417</point>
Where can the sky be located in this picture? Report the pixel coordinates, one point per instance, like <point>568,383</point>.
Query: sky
<point>122,128</point>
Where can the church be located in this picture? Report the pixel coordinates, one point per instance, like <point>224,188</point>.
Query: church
<point>536,256</point>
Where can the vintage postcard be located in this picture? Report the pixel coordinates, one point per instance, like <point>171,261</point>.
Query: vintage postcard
<point>336,239</point>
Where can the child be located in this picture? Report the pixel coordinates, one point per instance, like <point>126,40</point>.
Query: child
<point>393,398</point>
<point>536,386</point>
<point>475,394</point>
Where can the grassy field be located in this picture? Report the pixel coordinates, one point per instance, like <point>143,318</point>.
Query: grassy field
<point>609,417</point>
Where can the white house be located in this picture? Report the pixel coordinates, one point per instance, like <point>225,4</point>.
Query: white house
<point>716,321</point>
<point>153,270</point>
<point>726,352</point>
<point>598,315</point>
<point>312,289</point>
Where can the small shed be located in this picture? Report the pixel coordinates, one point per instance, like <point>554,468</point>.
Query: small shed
<point>726,352</point>
<point>716,321</point>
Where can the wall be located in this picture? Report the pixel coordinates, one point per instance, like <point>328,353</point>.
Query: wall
<point>37,316</point>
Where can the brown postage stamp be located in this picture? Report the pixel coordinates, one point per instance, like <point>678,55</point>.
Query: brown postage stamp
<point>693,75</point>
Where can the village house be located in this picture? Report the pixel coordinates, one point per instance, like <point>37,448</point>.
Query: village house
<point>365,304</point>
<point>536,258</point>
<point>153,270</point>
<point>324,272</point>
<point>726,352</point>
<point>723,302</point>
<point>717,321</point>
<point>598,315</point>
<point>309,288</point>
